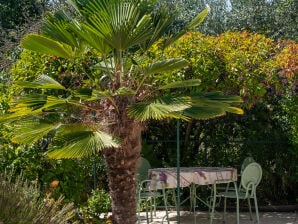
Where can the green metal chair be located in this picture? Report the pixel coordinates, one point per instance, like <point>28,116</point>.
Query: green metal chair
<point>250,179</point>
<point>147,194</point>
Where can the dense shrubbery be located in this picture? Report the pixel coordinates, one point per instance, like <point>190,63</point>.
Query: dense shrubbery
<point>249,65</point>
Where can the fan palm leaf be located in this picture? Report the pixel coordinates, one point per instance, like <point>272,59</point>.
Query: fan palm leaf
<point>48,46</point>
<point>37,104</point>
<point>161,108</point>
<point>120,23</point>
<point>30,129</point>
<point>182,84</point>
<point>209,105</point>
<point>42,82</point>
<point>165,66</point>
<point>79,140</point>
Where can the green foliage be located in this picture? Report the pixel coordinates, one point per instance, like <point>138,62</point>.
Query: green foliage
<point>99,202</point>
<point>21,202</point>
<point>98,208</point>
<point>74,178</point>
<point>251,65</point>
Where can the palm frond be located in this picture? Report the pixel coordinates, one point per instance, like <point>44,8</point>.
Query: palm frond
<point>162,20</point>
<point>94,40</point>
<point>165,65</point>
<point>25,103</point>
<point>42,82</point>
<point>218,96</point>
<point>57,27</point>
<point>161,108</point>
<point>182,84</point>
<point>78,140</point>
<point>36,104</point>
<point>120,23</point>
<point>209,105</point>
<point>48,46</point>
<point>204,112</point>
<point>30,129</point>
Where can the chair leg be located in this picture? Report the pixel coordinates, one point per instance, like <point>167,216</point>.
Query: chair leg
<point>256,208</point>
<point>151,210</point>
<point>147,217</point>
<point>238,219</point>
<point>154,205</point>
<point>225,211</point>
<point>249,206</point>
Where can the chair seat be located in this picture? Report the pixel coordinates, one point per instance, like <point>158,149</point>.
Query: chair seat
<point>232,194</point>
<point>150,194</point>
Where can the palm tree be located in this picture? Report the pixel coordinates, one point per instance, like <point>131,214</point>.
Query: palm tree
<point>109,112</point>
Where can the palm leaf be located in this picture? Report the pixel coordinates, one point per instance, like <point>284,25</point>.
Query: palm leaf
<point>119,23</point>
<point>94,40</point>
<point>57,27</point>
<point>203,112</point>
<point>182,84</point>
<point>78,140</point>
<point>209,105</point>
<point>165,65</point>
<point>218,96</point>
<point>48,46</point>
<point>30,129</point>
<point>161,108</point>
<point>162,22</point>
<point>24,103</point>
<point>42,82</point>
<point>37,104</point>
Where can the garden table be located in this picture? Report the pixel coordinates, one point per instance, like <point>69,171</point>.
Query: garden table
<point>191,177</point>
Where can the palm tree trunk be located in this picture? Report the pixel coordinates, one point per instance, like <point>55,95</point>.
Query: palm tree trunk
<point>121,168</point>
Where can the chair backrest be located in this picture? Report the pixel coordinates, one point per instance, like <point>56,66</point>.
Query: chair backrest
<point>245,162</point>
<point>251,174</point>
<point>142,170</point>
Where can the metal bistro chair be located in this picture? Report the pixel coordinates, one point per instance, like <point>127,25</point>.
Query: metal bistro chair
<point>147,193</point>
<point>250,179</point>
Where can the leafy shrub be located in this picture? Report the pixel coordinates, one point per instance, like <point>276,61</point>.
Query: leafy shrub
<point>98,207</point>
<point>21,202</point>
<point>241,63</point>
<point>99,202</point>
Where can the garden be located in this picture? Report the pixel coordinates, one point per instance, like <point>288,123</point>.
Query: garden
<point>88,87</point>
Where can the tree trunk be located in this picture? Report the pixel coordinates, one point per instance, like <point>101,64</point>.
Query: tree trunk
<point>121,168</point>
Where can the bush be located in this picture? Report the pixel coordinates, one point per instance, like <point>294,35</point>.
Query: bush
<point>21,202</point>
<point>100,202</point>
